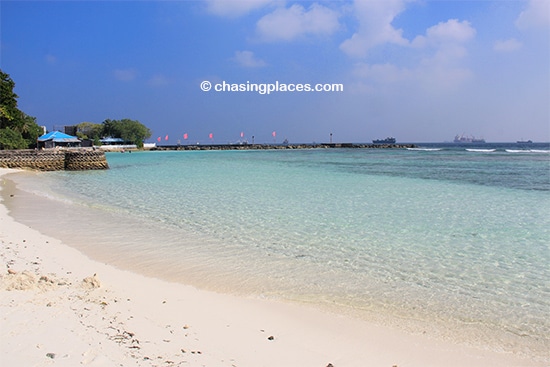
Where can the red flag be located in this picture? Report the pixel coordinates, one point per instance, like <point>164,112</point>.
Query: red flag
<point>242,134</point>
<point>185,136</point>
<point>211,136</point>
<point>166,137</point>
<point>158,139</point>
<point>274,134</point>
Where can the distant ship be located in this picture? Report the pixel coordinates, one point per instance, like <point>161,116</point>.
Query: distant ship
<point>388,140</point>
<point>524,141</point>
<point>467,139</point>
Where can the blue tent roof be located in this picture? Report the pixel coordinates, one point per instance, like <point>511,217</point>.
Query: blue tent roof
<point>110,140</point>
<point>58,136</point>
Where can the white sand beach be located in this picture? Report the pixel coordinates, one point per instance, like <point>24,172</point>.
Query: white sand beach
<point>59,307</point>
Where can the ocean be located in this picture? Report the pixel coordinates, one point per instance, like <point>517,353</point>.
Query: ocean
<point>449,240</point>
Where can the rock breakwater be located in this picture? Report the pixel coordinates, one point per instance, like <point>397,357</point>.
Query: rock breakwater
<point>282,146</point>
<point>54,159</point>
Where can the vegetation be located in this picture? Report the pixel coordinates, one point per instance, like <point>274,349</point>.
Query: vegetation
<point>89,130</point>
<point>20,131</point>
<point>131,131</point>
<point>17,129</point>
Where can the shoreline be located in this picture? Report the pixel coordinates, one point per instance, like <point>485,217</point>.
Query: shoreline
<point>131,319</point>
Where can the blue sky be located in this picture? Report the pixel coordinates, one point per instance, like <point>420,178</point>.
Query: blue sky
<point>422,71</point>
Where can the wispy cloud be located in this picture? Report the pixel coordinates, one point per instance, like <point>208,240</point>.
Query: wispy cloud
<point>125,75</point>
<point>248,60</point>
<point>158,80</point>
<point>382,73</point>
<point>50,59</point>
<point>233,9</point>
<point>285,24</point>
<point>508,45</point>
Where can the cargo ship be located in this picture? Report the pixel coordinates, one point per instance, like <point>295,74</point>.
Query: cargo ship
<point>468,139</point>
<point>388,140</point>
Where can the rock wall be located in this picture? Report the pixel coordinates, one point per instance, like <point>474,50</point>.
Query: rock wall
<point>54,159</point>
<point>85,160</point>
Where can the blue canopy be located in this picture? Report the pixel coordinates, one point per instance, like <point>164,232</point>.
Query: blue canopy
<point>59,137</point>
<point>110,140</point>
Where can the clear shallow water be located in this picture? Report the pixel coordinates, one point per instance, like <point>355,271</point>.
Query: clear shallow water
<point>442,239</point>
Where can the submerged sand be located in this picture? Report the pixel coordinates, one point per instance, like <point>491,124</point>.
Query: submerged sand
<point>59,307</point>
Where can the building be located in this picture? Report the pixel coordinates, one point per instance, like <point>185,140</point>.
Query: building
<point>57,139</point>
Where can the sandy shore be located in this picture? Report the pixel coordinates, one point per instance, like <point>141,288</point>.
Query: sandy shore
<point>59,307</point>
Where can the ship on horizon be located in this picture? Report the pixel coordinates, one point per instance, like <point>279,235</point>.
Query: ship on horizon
<point>467,139</point>
<point>388,140</point>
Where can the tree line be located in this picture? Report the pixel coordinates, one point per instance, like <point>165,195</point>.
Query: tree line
<point>17,129</point>
<point>20,131</point>
<point>131,131</point>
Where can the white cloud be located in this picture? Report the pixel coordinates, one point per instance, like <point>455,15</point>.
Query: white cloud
<point>448,40</point>
<point>375,26</point>
<point>158,80</point>
<point>230,8</point>
<point>285,24</point>
<point>507,45</point>
<point>441,53</point>
<point>248,60</point>
<point>444,69</point>
<point>536,15</point>
<point>125,75</point>
<point>444,33</point>
<point>451,31</point>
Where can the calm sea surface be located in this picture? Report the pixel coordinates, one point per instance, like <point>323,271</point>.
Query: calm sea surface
<point>448,240</point>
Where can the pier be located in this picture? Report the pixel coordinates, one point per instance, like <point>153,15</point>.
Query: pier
<point>282,146</point>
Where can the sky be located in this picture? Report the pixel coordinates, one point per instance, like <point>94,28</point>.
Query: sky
<point>421,71</point>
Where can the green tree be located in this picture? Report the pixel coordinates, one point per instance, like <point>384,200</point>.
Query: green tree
<point>134,131</point>
<point>131,131</point>
<point>29,129</point>
<point>8,100</point>
<point>89,130</point>
<point>18,130</point>
<point>10,139</point>
<point>109,129</point>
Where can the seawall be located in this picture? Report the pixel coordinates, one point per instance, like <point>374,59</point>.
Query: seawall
<point>54,159</point>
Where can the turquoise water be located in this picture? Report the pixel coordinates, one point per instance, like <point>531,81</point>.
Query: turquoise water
<point>440,240</point>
